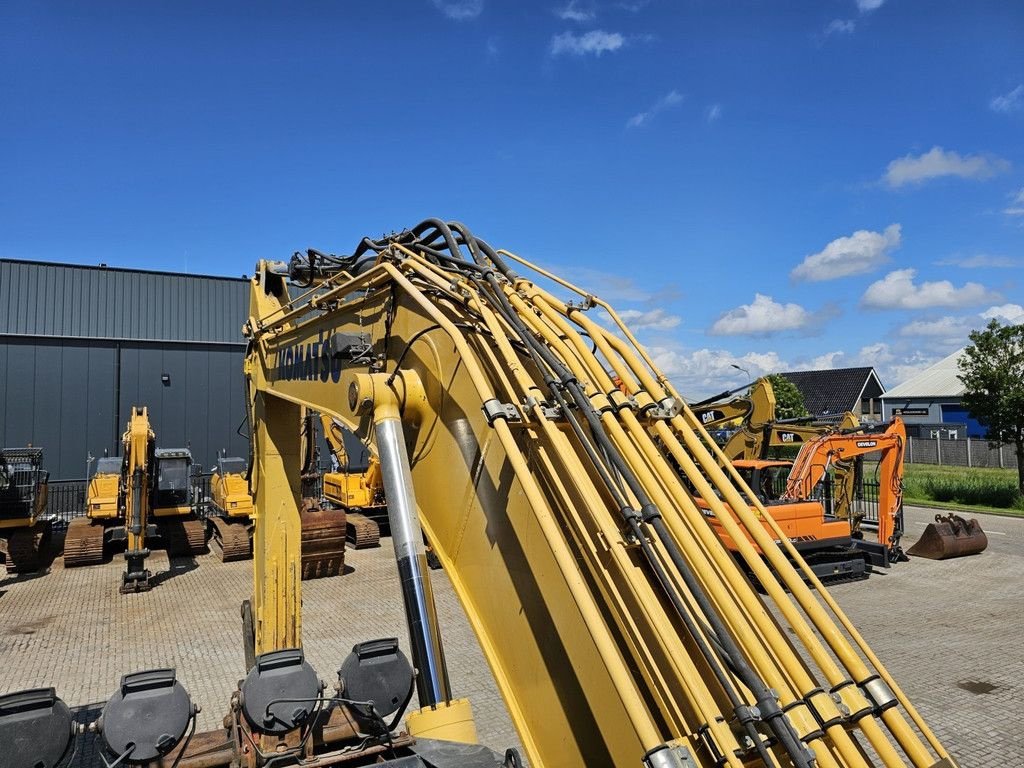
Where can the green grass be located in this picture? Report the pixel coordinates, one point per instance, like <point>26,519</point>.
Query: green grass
<point>968,488</point>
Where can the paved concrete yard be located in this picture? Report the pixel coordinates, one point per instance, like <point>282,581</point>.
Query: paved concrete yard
<point>950,632</point>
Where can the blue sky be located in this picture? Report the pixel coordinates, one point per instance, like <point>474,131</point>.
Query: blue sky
<point>774,185</point>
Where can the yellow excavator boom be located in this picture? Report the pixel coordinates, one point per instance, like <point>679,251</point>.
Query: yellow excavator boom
<point>619,628</point>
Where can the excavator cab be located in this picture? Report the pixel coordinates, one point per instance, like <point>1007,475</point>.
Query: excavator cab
<point>173,487</point>
<point>23,494</point>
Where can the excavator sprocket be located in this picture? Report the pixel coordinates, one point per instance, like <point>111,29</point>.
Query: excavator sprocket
<point>230,538</point>
<point>363,532</point>
<point>83,543</point>
<point>323,542</point>
<point>23,548</point>
<point>950,536</point>
<point>184,536</point>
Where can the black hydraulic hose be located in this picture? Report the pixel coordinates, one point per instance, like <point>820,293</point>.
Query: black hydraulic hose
<point>766,702</point>
<point>744,713</point>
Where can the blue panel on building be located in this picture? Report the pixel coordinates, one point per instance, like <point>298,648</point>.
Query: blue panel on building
<point>957,414</point>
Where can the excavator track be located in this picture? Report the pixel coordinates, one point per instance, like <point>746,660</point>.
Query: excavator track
<point>183,537</point>
<point>323,543</point>
<point>363,532</point>
<point>23,548</point>
<point>83,543</point>
<point>230,538</point>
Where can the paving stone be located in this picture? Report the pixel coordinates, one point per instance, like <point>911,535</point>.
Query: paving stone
<point>944,629</point>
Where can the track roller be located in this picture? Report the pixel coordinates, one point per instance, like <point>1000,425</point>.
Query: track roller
<point>363,532</point>
<point>23,547</point>
<point>183,536</point>
<point>83,542</point>
<point>231,538</point>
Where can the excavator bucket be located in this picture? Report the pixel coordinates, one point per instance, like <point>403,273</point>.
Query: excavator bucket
<point>323,541</point>
<point>950,536</point>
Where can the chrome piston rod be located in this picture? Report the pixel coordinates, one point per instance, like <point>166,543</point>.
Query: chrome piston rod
<point>432,684</point>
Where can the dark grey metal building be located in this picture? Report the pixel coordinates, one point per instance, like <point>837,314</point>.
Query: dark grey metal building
<point>80,345</point>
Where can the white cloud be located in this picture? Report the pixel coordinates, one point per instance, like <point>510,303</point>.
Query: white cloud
<point>702,371</point>
<point>460,10</point>
<point>714,112</point>
<point>951,328</point>
<point>861,252</point>
<point>1005,313</point>
<point>841,27</point>
<point>869,5</point>
<point>576,11</point>
<point>596,41</point>
<point>1009,102</point>
<point>823,362</point>
<point>670,99</point>
<point>654,319</point>
<point>1016,204</point>
<point>898,291</point>
<point>979,260</point>
<point>762,317</point>
<point>937,162</point>
<point>606,285</point>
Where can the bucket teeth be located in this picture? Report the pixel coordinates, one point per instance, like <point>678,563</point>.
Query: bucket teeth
<point>950,536</point>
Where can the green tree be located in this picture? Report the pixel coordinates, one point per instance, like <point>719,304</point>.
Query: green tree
<point>992,370</point>
<point>789,401</point>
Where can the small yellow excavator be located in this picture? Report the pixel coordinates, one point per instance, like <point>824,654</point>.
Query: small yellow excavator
<point>231,510</point>
<point>23,494</point>
<point>356,487</point>
<point>145,494</point>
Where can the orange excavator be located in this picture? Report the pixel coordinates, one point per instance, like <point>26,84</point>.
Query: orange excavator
<point>819,455</point>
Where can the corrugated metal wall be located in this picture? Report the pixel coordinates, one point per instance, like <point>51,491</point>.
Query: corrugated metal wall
<point>72,399</point>
<point>80,345</point>
<point>70,301</point>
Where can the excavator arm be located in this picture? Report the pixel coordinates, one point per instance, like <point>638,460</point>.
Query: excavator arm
<point>618,627</point>
<point>757,406</point>
<point>138,445</point>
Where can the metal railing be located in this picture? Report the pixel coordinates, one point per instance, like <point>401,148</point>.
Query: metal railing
<point>66,498</point>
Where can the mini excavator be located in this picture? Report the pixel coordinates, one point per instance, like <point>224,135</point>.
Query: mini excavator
<point>144,494</point>
<point>619,628</point>
<point>23,494</point>
<point>824,538</point>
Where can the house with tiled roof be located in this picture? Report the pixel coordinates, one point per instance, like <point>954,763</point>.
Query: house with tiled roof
<point>832,392</point>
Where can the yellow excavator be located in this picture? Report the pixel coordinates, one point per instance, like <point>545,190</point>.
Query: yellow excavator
<point>143,495</point>
<point>231,510</point>
<point>23,494</point>
<point>356,487</point>
<point>231,523</point>
<point>619,629</point>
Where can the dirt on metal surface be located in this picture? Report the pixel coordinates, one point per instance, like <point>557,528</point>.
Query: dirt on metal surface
<point>230,538</point>
<point>83,543</point>
<point>362,531</point>
<point>950,536</point>
<point>323,541</point>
